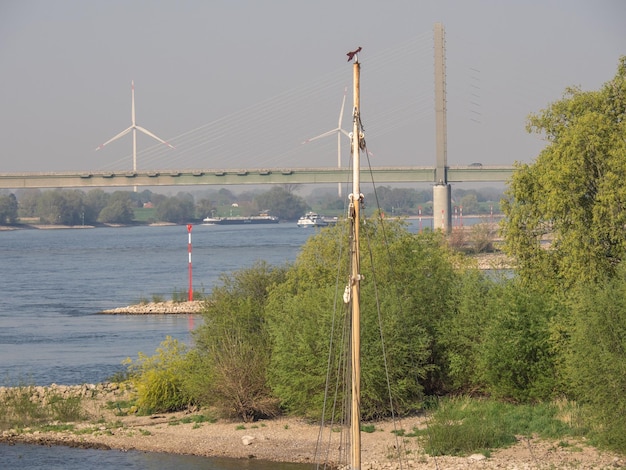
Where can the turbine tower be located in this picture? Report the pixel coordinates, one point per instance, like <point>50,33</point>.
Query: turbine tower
<point>337,130</point>
<point>134,127</point>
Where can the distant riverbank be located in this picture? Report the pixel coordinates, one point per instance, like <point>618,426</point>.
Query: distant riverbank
<point>32,226</point>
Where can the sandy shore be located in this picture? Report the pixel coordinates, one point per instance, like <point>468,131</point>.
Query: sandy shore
<point>288,440</point>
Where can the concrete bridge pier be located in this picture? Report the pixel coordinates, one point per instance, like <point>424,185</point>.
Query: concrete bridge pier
<point>442,218</point>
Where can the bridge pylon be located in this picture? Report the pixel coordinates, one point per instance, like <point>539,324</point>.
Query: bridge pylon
<point>441,191</point>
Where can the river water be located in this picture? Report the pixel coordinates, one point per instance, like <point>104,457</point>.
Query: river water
<point>54,283</point>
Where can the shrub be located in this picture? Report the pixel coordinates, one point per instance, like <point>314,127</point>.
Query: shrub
<point>159,379</point>
<point>516,359</point>
<point>66,409</point>
<point>461,334</point>
<point>596,361</point>
<point>409,277</point>
<point>232,345</point>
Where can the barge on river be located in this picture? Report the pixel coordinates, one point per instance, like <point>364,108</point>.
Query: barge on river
<point>241,220</point>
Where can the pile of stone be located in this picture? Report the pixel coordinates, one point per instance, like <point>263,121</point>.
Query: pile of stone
<point>159,308</point>
<point>42,394</point>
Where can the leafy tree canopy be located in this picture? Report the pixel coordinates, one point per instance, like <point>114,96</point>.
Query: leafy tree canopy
<point>282,204</point>
<point>8,209</point>
<point>410,277</point>
<point>61,207</point>
<point>177,209</point>
<point>119,209</point>
<point>575,190</point>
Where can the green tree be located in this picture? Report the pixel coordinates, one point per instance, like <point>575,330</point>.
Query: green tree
<point>176,209</point>
<point>469,204</point>
<point>225,197</point>
<point>8,209</point>
<point>119,209</point>
<point>395,201</point>
<point>282,203</point>
<point>145,196</point>
<point>95,201</point>
<point>204,208</point>
<point>27,202</point>
<point>326,199</point>
<point>575,190</point>
<point>61,207</point>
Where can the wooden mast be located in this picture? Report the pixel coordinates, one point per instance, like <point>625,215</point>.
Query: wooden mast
<point>356,199</point>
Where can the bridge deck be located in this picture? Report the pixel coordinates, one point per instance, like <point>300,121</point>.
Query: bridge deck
<point>189,177</point>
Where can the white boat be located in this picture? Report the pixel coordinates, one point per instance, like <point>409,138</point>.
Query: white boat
<point>311,219</point>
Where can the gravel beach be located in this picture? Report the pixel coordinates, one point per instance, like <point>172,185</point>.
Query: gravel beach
<point>285,439</point>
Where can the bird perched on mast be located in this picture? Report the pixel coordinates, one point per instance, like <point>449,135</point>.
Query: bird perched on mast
<point>353,54</point>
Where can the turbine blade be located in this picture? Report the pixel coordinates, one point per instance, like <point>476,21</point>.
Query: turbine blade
<point>343,104</point>
<point>346,133</point>
<point>132,100</point>
<point>121,134</point>
<point>148,133</point>
<point>325,134</point>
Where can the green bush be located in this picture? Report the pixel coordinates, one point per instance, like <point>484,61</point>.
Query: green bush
<point>160,379</point>
<point>409,277</point>
<point>461,334</point>
<point>66,409</point>
<point>596,361</point>
<point>517,360</point>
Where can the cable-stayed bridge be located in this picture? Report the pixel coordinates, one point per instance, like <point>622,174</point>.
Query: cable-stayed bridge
<point>286,139</point>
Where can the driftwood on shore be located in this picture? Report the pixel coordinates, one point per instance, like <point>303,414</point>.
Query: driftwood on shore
<point>158,308</point>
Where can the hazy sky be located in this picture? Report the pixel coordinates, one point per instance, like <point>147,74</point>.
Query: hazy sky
<point>242,83</point>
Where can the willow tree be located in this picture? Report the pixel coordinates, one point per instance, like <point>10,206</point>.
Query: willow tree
<point>575,190</point>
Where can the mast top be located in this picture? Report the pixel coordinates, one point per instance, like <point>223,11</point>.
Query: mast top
<point>353,54</point>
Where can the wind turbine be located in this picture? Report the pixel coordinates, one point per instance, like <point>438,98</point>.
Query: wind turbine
<point>134,127</point>
<point>337,130</point>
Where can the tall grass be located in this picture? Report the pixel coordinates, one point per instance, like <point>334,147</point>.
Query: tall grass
<point>23,408</point>
<point>460,426</point>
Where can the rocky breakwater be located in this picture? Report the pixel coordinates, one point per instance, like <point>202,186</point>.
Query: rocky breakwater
<point>38,414</point>
<point>159,308</point>
<point>46,394</point>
